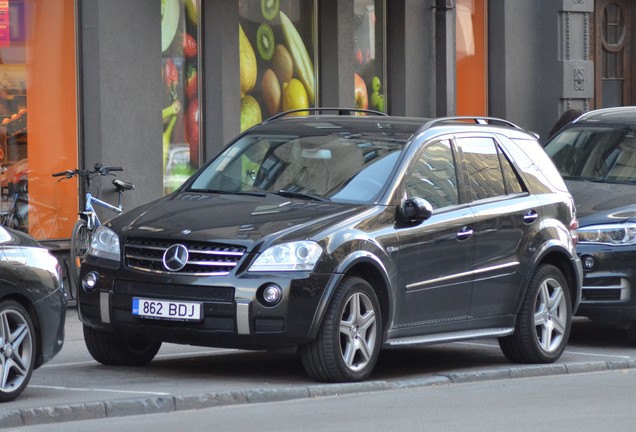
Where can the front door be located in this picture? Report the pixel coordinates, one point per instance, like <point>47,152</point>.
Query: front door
<point>436,257</point>
<point>614,56</point>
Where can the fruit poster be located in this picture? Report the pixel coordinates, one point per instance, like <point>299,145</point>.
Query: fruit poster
<point>277,62</point>
<point>180,73</point>
<point>368,50</point>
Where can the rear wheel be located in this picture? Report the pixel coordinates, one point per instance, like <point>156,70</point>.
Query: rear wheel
<point>348,342</point>
<point>543,324</point>
<point>17,349</point>
<point>80,242</point>
<point>110,349</point>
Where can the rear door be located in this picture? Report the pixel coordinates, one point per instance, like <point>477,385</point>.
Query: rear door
<point>504,215</point>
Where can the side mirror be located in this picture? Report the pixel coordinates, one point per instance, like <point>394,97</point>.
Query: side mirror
<point>415,210</point>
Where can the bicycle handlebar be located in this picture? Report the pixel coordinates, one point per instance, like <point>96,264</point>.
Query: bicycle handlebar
<point>98,169</point>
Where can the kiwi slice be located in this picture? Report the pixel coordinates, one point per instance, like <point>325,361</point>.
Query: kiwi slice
<point>265,41</point>
<point>270,8</point>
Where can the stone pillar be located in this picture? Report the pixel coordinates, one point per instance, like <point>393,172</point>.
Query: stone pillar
<point>575,54</point>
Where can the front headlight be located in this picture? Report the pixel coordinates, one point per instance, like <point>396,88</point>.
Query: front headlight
<point>105,244</point>
<point>295,256</point>
<point>609,234</point>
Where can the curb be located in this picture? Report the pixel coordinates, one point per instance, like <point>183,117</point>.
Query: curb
<point>164,404</point>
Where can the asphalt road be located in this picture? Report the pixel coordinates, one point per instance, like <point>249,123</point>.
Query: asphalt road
<point>73,386</point>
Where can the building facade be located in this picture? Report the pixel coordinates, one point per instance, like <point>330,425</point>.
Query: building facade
<point>94,77</point>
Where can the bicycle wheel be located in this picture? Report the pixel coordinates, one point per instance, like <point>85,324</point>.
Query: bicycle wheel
<point>80,242</point>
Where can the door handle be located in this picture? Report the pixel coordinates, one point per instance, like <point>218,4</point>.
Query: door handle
<point>530,217</point>
<point>464,234</point>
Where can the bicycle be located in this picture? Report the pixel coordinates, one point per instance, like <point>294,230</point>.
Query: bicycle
<point>88,220</point>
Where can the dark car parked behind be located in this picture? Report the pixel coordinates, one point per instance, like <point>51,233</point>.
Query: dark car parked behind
<point>32,310</point>
<point>596,154</point>
<point>341,235</point>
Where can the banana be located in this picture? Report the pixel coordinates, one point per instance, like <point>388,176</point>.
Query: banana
<point>302,62</point>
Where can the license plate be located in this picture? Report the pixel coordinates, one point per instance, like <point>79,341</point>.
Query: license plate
<point>166,309</point>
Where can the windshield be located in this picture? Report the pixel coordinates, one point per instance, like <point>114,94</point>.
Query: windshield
<point>595,153</point>
<point>348,169</point>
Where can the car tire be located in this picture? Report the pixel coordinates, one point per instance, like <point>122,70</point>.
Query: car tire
<point>80,242</point>
<point>544,321</point>
<point>17,349</point>
<point>112,350</point>
<point>348,342</point>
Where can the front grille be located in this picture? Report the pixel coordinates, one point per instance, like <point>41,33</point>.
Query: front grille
<point>175,292</point>
<point>205,259</point>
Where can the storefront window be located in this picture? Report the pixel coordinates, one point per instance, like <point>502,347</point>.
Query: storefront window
<point>277,57</point>
<point>368,51</point>
<point>471,57</point>
<point>181,77</point>
<point>38,116</point>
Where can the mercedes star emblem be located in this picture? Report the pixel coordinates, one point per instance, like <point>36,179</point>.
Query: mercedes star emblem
<point>175,257</point>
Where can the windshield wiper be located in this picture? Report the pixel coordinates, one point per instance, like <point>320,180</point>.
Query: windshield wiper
<point>224,192</point>
<point>301,195</point>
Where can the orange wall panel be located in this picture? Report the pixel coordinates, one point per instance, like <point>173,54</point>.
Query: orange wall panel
<point>52,117</point>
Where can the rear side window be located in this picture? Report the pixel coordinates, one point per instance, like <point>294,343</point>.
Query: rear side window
<point>486,178</point>
<point>512,183</point>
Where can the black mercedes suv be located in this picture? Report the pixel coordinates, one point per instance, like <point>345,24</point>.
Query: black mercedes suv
<point>339,235</point>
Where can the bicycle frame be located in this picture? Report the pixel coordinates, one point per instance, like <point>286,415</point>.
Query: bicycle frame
<point>89,214</point>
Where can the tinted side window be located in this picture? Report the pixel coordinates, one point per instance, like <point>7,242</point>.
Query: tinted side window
<point>484,170</point>
<point>513,185</point>
<point>432,175</point>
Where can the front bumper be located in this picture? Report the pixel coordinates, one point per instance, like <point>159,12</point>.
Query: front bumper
<point>609,284</point>
<point>233,315</point>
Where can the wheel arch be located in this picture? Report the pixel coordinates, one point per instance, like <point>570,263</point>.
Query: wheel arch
<point>562,260</point>
<point>366,266</point>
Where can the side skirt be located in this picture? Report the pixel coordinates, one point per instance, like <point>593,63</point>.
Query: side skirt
<point>448,337</point>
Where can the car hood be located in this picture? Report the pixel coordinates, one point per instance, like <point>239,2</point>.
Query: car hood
<point>237,219</point>
<point>603,202</point>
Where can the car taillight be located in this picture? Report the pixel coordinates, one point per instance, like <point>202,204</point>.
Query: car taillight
<point>574,226</point>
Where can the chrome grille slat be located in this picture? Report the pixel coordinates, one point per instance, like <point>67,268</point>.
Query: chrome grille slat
<point>205,259</point>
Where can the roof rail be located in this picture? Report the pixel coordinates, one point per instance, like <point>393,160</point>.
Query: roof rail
<point>476,120</point>
<point>319,110</point>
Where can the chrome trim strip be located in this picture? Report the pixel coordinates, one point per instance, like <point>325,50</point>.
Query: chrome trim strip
<point>143,269</point>
<point>243,318</point>
<point>104,307</point>
<point>459,275</point>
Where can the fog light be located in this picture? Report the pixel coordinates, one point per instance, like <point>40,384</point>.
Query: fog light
<point>272,295</point>
<point>90,280</point>
<point>588,262</point>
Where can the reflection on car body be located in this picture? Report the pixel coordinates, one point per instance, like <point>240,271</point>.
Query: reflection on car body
<point>340,235</point>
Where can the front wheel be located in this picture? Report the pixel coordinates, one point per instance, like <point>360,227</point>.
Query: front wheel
<point>17,349</point>
<point>544,321</point>
<point>80,242</point>
<point>348,342</point>
<point>112,350</point>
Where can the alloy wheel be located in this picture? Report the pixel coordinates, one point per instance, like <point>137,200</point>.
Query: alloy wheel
<point>550,317</point>
<point>357,331</point>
